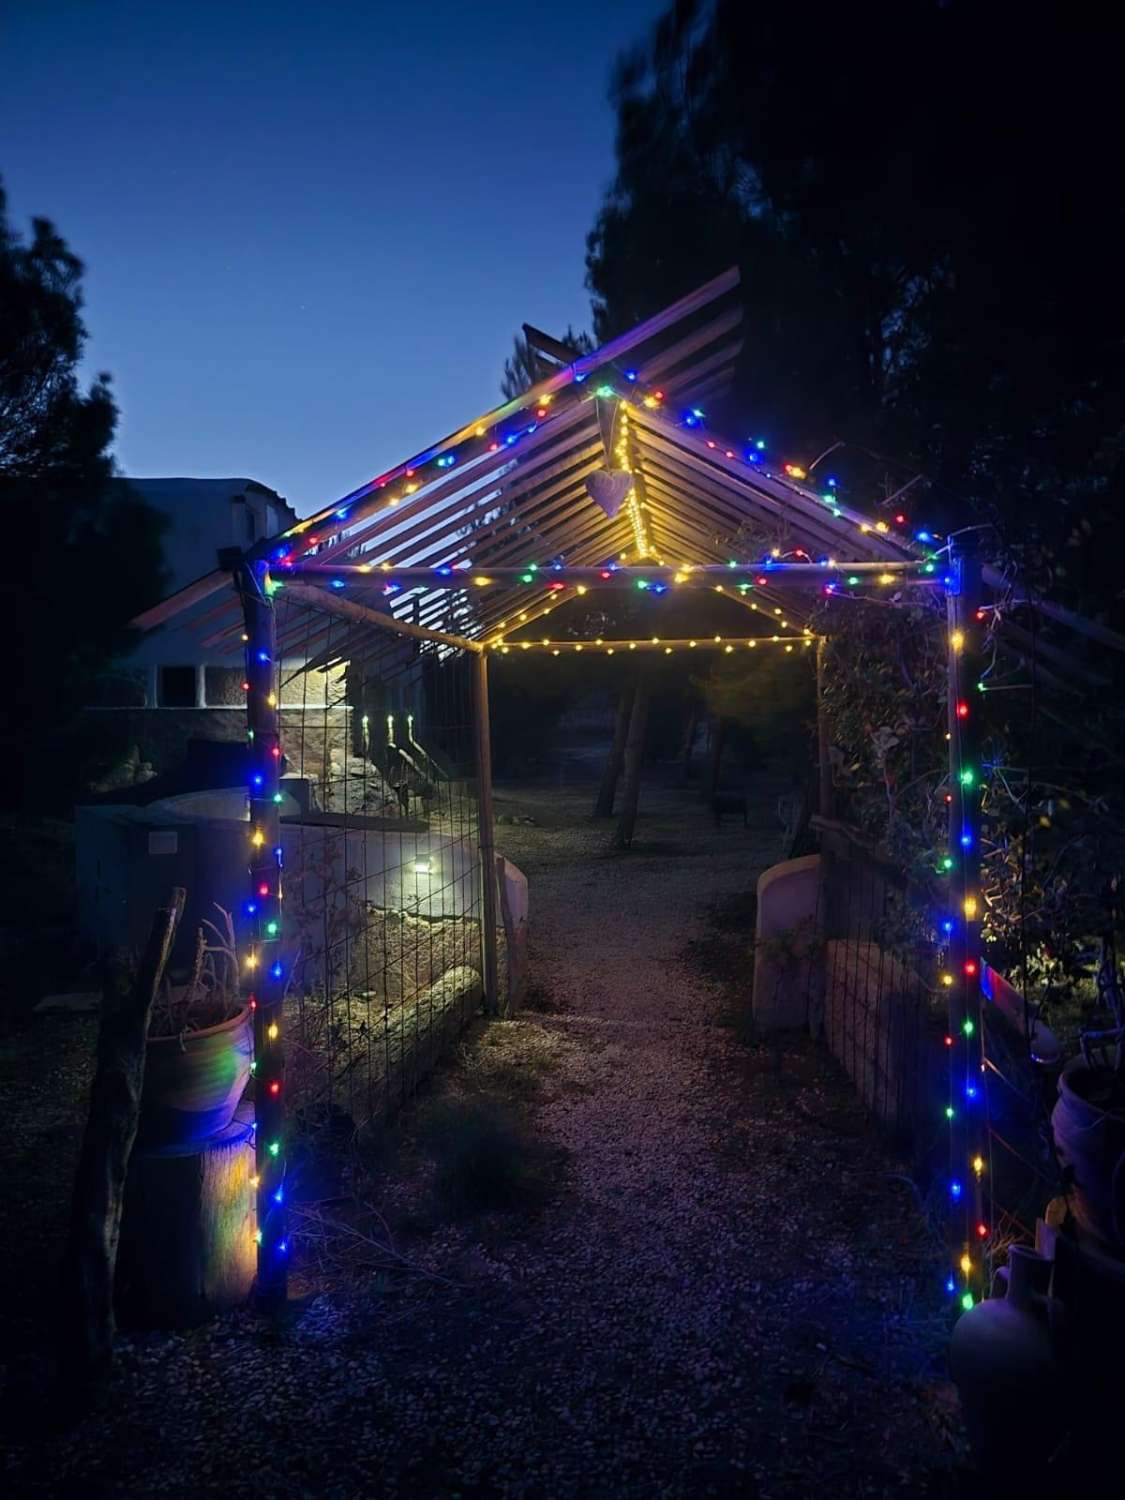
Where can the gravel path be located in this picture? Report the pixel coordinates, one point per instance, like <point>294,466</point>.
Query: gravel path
<point>728,1295</point>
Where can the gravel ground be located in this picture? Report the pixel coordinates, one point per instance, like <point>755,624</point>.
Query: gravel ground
<point>728,1293</point>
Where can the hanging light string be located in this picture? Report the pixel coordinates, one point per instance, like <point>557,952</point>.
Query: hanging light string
<point>724,643</point>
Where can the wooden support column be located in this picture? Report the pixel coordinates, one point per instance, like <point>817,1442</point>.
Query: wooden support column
<point>823,757</point>
<point>483,743</point>
<point>262,945</point>
<point>968,1163</point>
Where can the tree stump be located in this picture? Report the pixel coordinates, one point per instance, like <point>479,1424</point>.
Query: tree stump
<point>188,1247</point>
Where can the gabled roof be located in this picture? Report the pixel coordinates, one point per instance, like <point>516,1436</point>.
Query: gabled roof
<point>509,490</point>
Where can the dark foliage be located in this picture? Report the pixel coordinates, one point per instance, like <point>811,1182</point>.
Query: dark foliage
<point>89,556</point>
<point>928,251</point>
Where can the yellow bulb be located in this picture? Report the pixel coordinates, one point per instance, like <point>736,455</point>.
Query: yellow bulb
<point>578,648</point>
<point>481,581</point>
<point>667,650</point>
<point>751,644</point>
<point>272,700</point>
<point>554,653</point>
<point>691,643</point>
<point>863,526</point>
<point>257,838</point>
<point>272,1031</point>
<point>525,645</point>
<point>728,649</point>
<point>947,980</point>
<point>478,430</point>
<point>957,640</point>
<point>581,588</point>
<point>251,960</point>
<point>393,500</point>
<point>523,614</point>
<point>410,488</point>
<point>881,526</point>
<point>970,907</point>
<point>978,1164</point>
<point>966,1264</point>
<point>886,578</point>
<point>609,652</point>
<point>632,645</point>
<point>254,1181</point>
<point>789,648</point>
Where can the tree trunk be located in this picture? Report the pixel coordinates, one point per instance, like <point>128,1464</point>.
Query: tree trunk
<point>85,1330</point>
<point>607,792</point>
<point>634,752</point>
<point>687,745</point>
<point>715,760</point>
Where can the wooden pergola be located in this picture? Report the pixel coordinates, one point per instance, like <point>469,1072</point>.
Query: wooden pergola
<point>603,475</point>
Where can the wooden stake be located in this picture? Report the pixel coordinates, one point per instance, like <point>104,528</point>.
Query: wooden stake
<point>86,1323</point>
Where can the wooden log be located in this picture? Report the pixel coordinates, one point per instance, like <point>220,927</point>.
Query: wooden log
<point>188,1244</point>
<point>86,1324</point>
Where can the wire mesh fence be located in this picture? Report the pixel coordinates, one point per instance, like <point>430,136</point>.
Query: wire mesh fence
<point>381,832</point>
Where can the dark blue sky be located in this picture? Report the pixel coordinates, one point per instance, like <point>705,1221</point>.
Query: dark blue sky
<point>311,230</point>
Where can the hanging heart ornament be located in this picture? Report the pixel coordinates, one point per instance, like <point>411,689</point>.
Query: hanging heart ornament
<point>609,488</point>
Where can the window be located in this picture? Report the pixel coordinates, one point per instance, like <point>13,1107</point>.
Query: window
<point>176,687</point>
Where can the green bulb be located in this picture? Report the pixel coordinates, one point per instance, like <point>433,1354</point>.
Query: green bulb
<point>604,390</point>
<point>967,1027</point>
<point>949,1111</point>
<point>853,580</point>
<point>947,862</point>
<point>967,1301</point>
<point>929,568</point>
<point>271,928</point>
<point>525,577</point>
<point>275,1148</point>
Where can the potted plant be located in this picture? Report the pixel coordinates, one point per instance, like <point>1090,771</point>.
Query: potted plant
<point>200,1045</point>
<point>1088,1122</point>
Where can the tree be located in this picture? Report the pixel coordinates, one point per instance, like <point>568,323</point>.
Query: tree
<point>87,554</point>
<point>526,368</point>
<point>928,252</point>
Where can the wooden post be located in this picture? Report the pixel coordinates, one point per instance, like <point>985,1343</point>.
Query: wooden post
<point>634,753</point>
<point>86,1303</point>
<point>263,966</point>
<point>710,784</point>
<point>483,742</point>
<point>825,798</point>
<point>687,745</point>
<point>966,1107</point>
<point>611,771</point>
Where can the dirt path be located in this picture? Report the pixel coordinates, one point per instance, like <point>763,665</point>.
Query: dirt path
<point>728,1294</point>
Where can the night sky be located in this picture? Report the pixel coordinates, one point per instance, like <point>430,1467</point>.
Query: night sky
<point>311,230</point>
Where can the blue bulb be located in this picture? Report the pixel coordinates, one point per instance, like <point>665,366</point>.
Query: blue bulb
<point>630,374</point>
<point>276,971</point>
<point>341,514</point>
<point>970,1091</point>
<point>337,583</point>
<point>831,484</point>
<point>924,536</point>
<point>578,379</point>
<point>263,656</point>
<point>947,926</point>
<point>277,854</point>
<point>752,457</point>
<point>951,1285</point>
<point>251,908</point>
<point>690,420</point>
<point>445,572</point>
<point>282,1247</point>
<point>966,841</point>
<point>659,588</point>
<point>955,1189</point>
<point>511,438</point>
<point>760,445</point>
<point>279,1196</point>
<point>948,580</point>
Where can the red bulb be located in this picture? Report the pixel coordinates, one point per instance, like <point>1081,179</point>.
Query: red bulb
<point>263,890</point>
<point>900,519</point>
<point>949,1041</point>
<point>605,573</point>
<point>659,395</point>
<point>253,1003</point>
<point>275,1088</point>
<point>245,687</point>
<point>982,1230</point>
<point>276,752</point>
<point>948,798</point>
<point>761,582</point>
<point>962,710</point>
<point>970,967</point>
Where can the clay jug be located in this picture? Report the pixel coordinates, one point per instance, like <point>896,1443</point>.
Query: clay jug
<point>1004,1361</point>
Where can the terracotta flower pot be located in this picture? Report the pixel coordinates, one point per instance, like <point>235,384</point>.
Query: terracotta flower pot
<point>193,1082</point>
